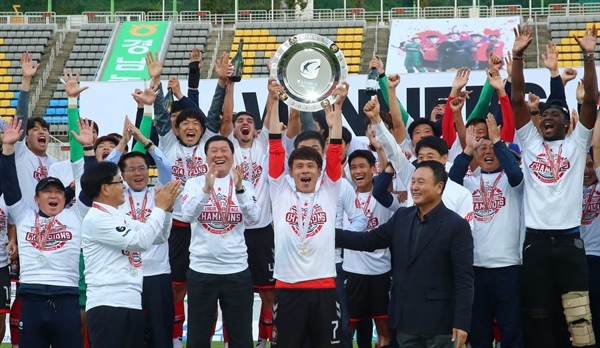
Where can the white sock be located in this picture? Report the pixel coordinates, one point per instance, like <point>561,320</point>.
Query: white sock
<point>261,343</point>
<point>226,345</point>
<point>177,342</point>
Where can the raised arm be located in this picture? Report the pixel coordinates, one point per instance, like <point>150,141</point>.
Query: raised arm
<point>28,70</point>
<point>508,127</point>
<point>587,43</point>
<point>448,129</point>
<point>522,40</point>
<point>146,98</point>
<point>487,92</point>
<point>384,86</point>
<point>596,143</point>
<point>334,121</point>
<point>508,162</point>
<point>227,120</point>
<point>161,114</point>
<point>223,70</point>
<point>399,130</point>
<point>73,90</point>
<point>194,74</point>
<point>456,105</point>
<point>8,168</point>
<point>276,151</point>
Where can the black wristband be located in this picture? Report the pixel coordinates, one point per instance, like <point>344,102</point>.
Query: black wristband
<point>382,75</point>
<point>534,112</point>
<point>88,148</point>
<point>194,75</point>
<point>239,192</point>
<point>148,145</point>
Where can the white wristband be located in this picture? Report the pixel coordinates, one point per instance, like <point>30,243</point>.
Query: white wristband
<point>72,101</point>
<point>148,109</point>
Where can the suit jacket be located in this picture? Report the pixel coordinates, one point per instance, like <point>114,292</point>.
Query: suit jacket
<point>432,291</point>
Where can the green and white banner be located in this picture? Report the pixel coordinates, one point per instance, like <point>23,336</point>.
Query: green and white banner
<point>127,60</point>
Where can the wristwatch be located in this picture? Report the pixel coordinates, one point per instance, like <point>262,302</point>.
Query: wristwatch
<point>239,192</point>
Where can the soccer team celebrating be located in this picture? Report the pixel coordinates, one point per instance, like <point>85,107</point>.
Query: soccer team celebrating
<point>440,232</point>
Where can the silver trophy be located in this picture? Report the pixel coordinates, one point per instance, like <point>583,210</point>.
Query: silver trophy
<point>309,67</point>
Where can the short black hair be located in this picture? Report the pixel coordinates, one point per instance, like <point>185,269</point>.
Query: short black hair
<point>240,113</point>
<point>191,113</point>
<point>420,121</point>
<point>366,154</point>
<point>308,135</point>
<point>475,121</point>
<point>439,171</point>
<point>217,138</point>
<point>558,104</point>
<point>305,153</point>
<point>129,155</point>
<point>104,138</point>
<point>97,175</point>
<point>386,117</point>
<point>346,135</point>
<point>438,144</point>
<point>32,121</point>
<point>176,106</point>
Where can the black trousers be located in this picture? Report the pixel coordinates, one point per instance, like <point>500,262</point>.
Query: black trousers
<point>552,266</point>
<point>110,327</point>
<point>159,311</point>
<point>235,295</point>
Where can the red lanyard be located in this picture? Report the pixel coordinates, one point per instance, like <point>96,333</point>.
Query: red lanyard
<point>188,162</point>
<point>223,211</point>
<point>554,164</point>
<point>365,208</point>
<point>43,169</point>
<point>41,239</point>
<point>589,201</point>
<point>488,198</point>
<point>142,216</point>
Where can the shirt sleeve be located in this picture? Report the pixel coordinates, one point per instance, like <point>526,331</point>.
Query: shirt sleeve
<point>277,156</point>
<point>194,199</point>
<point>164,234</point>
<point>163,165</point>
<point>161,115</point>
<point>247,202</point>
<point>404,169</point>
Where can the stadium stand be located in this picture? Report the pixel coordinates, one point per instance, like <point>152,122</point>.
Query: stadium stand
<point>262,39</point>
<point>14,40</point>
<point>185,37</point>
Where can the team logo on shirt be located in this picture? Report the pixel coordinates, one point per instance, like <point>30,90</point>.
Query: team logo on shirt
<point>317,219</point>
<point>58,236</point>
<point>40,172</point>
<point>591,207</point>
<point>485,213</point>
<point>195,167</point>
<point>2,220</point>
<point>220,219</point>
<point>135,257</point>
<point>252,174</point>
<point>542,169</point>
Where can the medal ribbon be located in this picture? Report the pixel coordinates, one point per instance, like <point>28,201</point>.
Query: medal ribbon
<point>487,199</point>
<point>40,238</point>
<point>554,164</point>
<point>225,211</point>
<point>304,220</point>
<point>142,216</point>
<point>186,161</point>
<point>589,201</point>
<point>43,168</point>
<point>367,202</point>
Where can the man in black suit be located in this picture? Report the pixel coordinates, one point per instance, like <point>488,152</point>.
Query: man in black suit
<point>432,264</point>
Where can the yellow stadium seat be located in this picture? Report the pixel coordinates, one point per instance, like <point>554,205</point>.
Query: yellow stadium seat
<point>253,47</point>
<point>341,31</point>
<point>249,62</point>
<point>2,96</point>
<point>576,63</point>
<point>353,69</point>
<point>4,103</point>
<point>1,41</point>
<point>357,45</point>
<point>247,70</point>
<point>8,79</point>
<point>11,111</point>
<point>261,47</point>
<point>2,55</point>
<point>3,87</point>
<point>251,54</point>
<point>6,118</point>
<point>255,32</point>
<point>237,33</point>
<point>246,76</point>
<point>234,47</point>
<point>5,64</point>
<point>9,95</point>
<point>271,47</point>
<point>561,64</point>
<point>564,41</point>
<point>358,31</point>
<point>264,32</point>
<point>271,39</point>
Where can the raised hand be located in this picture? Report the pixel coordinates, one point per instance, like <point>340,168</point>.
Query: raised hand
<point>155,66</point>
<point>341,92</point>
<point>86,132</point>
<point>175,87</point>
<point>580,92</point>
<point>567,75</point>
<point>533,102</point>
<point>495,79</point>
<point>12,131</point>
<point>376,63</point>
<point>508,61</point>
<point>393,81</point>
<point>551,58</point>
<point>461,79</point>
<point>147,97</point>
<point>196,56</point>
<point>522,39</point>
<point>588,41</point>
<point>493,129</point>
<point>275,89</point>
<point>465,94</point>
<point>222,67</point>
<point>573,122</point>
<point>126,133</point>
<point>27,67</point>
<point>494,61</point>
<point>457,104</point>
<point>238,176</point>
<point>165,197</point>
<point>72,84</point>
<point>471,141</point>
<point>371,109</point>
<point>209,179</point>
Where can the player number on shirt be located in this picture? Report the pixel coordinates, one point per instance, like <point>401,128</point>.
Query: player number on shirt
<point>336,324</point>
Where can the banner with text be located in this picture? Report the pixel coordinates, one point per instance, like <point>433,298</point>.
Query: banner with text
<point>127,60</point>
<point>433,45</point>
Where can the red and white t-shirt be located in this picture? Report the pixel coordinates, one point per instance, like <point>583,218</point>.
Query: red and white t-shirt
<point>590,224</point>
<point>30,169</point>
<point>553,174</point>
<point>218,223</point>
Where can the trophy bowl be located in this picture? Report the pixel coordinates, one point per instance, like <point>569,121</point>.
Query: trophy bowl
<point>309,67</point>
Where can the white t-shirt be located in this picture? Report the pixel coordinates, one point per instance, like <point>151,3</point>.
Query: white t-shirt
<point>178,154</point>
<point>318,258</point>
<point>111,245</point>
<point>497,224</point>
<point>55,261</point>
<point>553,200</point>
<point>155,260</point>
<point>590,224</point>
<point>4,221</point>
<point>256,171</point>
<point>378,261</point>
<point>30,169</point>
<point>348,211</point>
<point>217,245</point>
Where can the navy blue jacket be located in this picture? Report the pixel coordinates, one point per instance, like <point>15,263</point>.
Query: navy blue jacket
<point>432,292</point>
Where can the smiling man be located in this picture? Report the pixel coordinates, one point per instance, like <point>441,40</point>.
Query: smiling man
<point>218,258</point>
